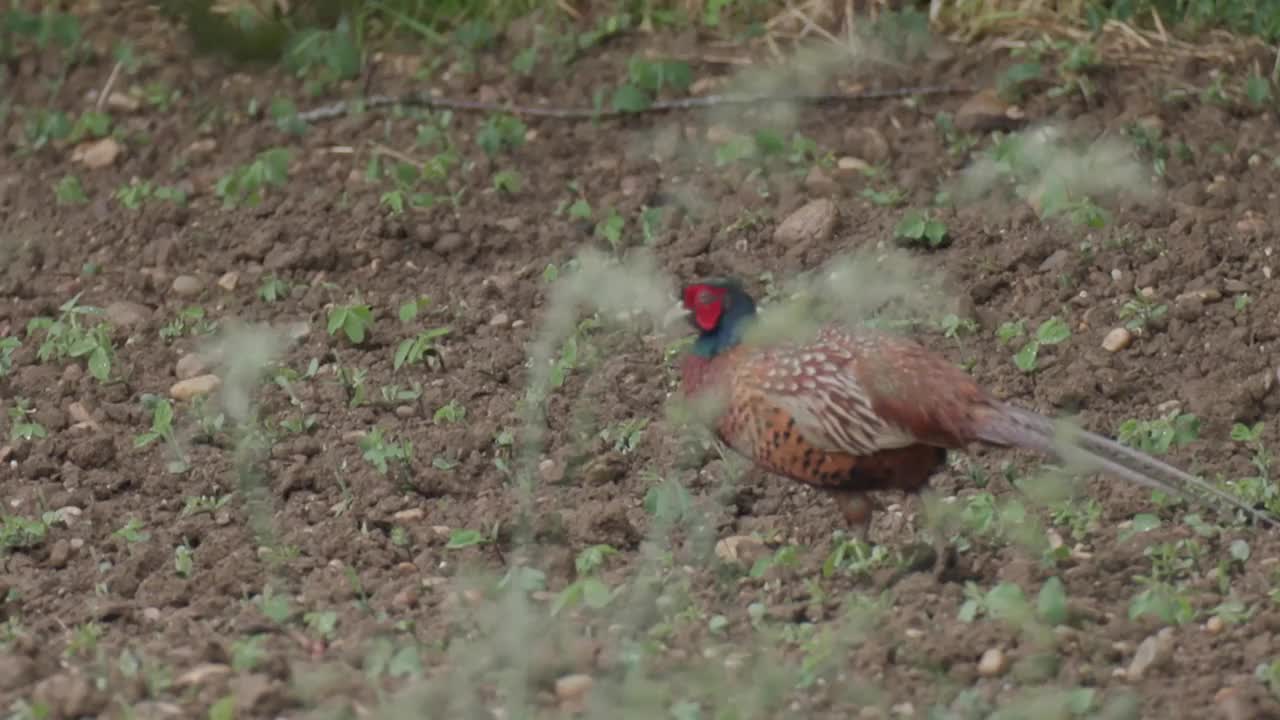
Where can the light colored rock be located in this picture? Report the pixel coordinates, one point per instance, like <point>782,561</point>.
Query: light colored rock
<point>189,366</point>
<point>202,147</point>
<point>739,548</point>
<point>122,101</point>
<point>985,111</point>
<point>124,314</point>
<point>992,663</point>
<point>813,222</point>
<point>97,154</point>
<point>409,515</point>
<point>195,387</point>
<point>500,320</point>
<point>187,285</point>
<point>1153,651</point>
<point>229,281</point>
<point>849,166</point>
<point>819,182</point>
<point>1214,625</point>
<point>1117,340</point>
<point>573,688</point>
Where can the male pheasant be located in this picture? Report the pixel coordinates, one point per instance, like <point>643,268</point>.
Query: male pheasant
<point>860,412</point>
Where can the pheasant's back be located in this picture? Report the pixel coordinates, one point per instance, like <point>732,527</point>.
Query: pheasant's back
<point>865,412</point>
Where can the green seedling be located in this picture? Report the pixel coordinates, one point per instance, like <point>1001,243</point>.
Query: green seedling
<point>508,181</point>
<point>499,133</point>
<point>646,78</point>
<point>19,533</point>
<point>1051,332</point>
<point>21,427</point>
<point>420,348</point>
<point>381,451</point>
<point>8,345</point>
<point>190,321</point>
<point>132,532</point>
<point>1140,311</point>
<point>1156,437</point>
<point>183,562</point>
<point>451,413</point>
<point>247,184</point>
<point>162,429</point>
<point>69,191</point>
<point>353,320</point>
<point>917,228</point>
<point>273,289</point>
<point>65,337</point>
<point>588,588</point>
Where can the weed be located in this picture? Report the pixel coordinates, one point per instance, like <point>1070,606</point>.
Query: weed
<point>247,184</point>
<point>1141,311</point>
<point>273,289</point>
<point>1156,437</point>
<point>21,427</point>
<point>65,337</point>
<point>190,321</point>
<point>452,412</point>
<point>1050,332</point>
<point>353,319</point>
<point>917,228</point>
<point>162,428</point>
<point>69,191</point>
<point>381,452</point>
<point>8,345</point>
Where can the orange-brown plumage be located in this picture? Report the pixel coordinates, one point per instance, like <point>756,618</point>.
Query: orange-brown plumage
<point>854,413</point>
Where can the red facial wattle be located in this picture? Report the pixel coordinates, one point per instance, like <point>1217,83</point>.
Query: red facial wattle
<point>706,303</point>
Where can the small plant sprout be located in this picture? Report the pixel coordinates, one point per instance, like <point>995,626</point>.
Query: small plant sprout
<point>1051,332</point>
<point>382,452</point>
<point>247,184</point>
<point>917,228</point>
<point>66,337</point>
<point>162,429</point>
<point>1140,311</point>
<point>21,426</point>
<point>353,319</point>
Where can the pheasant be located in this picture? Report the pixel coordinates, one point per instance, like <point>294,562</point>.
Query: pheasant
<point>859,412</point>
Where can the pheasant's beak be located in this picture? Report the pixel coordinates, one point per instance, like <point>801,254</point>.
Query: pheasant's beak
<point>677,312</point>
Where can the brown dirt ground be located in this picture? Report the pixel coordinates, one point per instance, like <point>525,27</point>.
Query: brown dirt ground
<point>325,233</point>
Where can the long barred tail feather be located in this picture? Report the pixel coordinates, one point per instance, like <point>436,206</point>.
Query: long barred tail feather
<point>1006,425</point>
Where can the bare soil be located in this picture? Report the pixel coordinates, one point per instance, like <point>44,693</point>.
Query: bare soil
<point>482,264</point>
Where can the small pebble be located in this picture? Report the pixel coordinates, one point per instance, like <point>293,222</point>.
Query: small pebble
<point>1117,340</point>
<point>1214,625</point>
<point>573,687</point>
<point>992,663</point>
<point>187,286</point>
<point>500,319</point>
<point>195,387</point>
<point>189,366</point>
<point>229,281</point>
<point>1151,653</point>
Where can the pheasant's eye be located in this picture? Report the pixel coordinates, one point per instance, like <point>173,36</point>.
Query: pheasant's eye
<point>705,298</point>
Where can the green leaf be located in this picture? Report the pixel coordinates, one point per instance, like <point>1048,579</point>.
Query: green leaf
<point>1052,331</point>
<point>100,364</point>
<point>1240,550</point>
<point>1025,358</point>
<point>935,232</point>
<point>1006,601</point>
<point>1051,605</point>
<point>464,538</point>
<point>1145,522</point>
<point>595,593</point>
<point>405,663</point>
<point>629,98</point>
<point>224,709</point>
<point>911,226</point>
